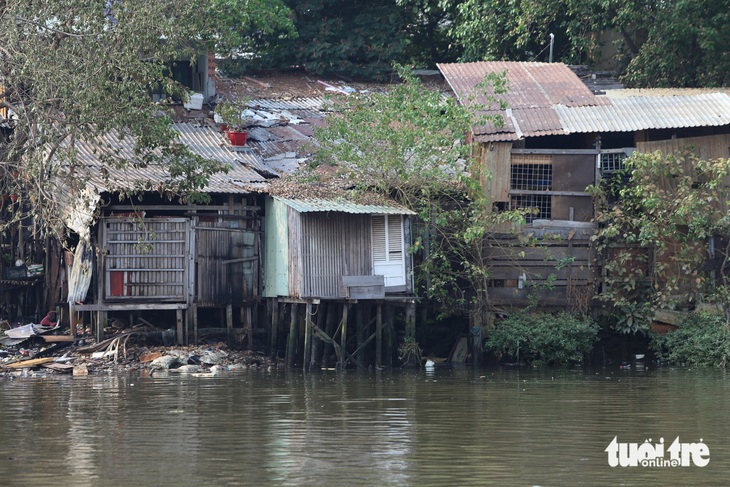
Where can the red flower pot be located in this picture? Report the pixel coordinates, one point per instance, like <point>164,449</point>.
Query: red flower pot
<point>237,138</point>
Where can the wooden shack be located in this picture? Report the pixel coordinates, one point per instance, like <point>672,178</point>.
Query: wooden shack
<point>328,253</point>
<point>558,137</point>
<point>152,255</point>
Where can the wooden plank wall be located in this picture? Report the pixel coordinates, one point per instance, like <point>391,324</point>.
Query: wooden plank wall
<point>707,147</point>
<point>227,257</point>
<point>545,269</point>
<point>333,245</point>
<point>495,157</point>
<point>145,258</point>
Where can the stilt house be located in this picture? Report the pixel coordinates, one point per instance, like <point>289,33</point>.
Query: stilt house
<point>559,137</point>
<point>150,254</point>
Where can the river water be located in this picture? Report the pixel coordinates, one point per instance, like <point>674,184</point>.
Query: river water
<point>442,427</point>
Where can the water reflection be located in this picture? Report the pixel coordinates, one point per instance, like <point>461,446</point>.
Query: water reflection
<point>445,426</point>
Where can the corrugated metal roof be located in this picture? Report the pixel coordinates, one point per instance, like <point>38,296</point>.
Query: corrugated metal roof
<point>201,140</point>
<point>533,89</point>
<point>314,103</point>
<point>648,112</point>
<point>342,206</point>
<point>530,85</point>
<point>549,99</point>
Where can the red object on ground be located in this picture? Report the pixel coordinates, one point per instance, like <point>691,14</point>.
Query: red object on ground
<point>48,320</point>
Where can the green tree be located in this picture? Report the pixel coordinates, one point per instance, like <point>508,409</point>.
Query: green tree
<point>668,234</point>
<point>353,38</point>
<point>74,70</point>
<point>673,43</point>
<point>411,144</point>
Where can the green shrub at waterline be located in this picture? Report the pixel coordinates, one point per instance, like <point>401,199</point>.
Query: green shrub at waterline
<point>702,339</point>
<point>543,338</point>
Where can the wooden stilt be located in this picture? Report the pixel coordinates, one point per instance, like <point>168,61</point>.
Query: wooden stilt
<point>389,338</point>
<point>307,336</point>
<point>229,324</point>
<point>180,338</point>
<point>411,321</point>
<point>273,307</point>
<point>292,340</point>
<point>249,325</point>
<point>343,335</point>
<point>379,335</point>
<point>360,331</point>
<point>318,320</point>
<point>329,327</point>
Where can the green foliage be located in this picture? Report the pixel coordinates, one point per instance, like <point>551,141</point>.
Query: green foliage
<point>687,45</point>
<point>543,338</point>
<point>410,144</point>
<point>231,112</point>
<point>703,339</point>
<point>656,234</point>
<point>409,352</point>
<point>359,38</point>
<point>74,70</point>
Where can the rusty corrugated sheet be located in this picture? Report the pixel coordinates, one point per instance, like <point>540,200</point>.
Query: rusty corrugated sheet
<point>316,205</point>
<point>645,112</point>
<point>549,99</point>
<point>533,90</point>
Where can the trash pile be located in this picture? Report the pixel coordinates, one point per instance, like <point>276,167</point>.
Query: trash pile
<point>41,350</point>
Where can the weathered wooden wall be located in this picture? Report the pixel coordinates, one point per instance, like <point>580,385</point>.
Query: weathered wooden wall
<point>557,271</point>
<point>145,259</point>
<point>495,157</point>
<point>226,262</point>
<point>707,147</point>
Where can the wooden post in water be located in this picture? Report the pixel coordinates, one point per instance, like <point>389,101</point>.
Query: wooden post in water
<point>379,335</point>
<point>313,364</point>
<point>411,320</point>
<point>329,328</point>
<point>273,307</point>
<point>229,324</point>
<point>248,310</point>
<point>389,335</point>
<point>292,340</point>
<point>343,336</point>
<point>307,336</point>
<point>360,331</point>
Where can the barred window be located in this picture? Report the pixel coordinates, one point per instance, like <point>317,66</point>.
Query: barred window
<point>535,177</point>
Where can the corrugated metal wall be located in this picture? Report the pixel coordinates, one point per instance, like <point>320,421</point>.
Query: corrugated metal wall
<point>332,245</point>
<point>145,258</point>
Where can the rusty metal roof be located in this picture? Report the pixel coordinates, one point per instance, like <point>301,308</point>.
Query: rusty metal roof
<point>342,206</point>
<point>629,114</point>
<point>550,99</point>
<point>201,140</point>
<point>533,90</point>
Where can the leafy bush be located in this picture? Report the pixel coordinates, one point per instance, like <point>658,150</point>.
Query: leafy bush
<point>702,339</point>
<point>543,338</point>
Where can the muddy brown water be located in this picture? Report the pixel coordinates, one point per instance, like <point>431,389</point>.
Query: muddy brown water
<point>447,426</point>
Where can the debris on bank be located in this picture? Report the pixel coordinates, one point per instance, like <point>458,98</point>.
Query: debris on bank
<point>138,348</point>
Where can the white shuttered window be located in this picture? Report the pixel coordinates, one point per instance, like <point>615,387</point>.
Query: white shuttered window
<point>388,251</point>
